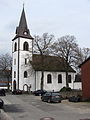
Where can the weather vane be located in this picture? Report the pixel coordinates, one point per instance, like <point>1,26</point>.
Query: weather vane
<point>23,4</point>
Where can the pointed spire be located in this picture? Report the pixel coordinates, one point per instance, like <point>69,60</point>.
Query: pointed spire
<point>23,22</point>
<point>22,30</point>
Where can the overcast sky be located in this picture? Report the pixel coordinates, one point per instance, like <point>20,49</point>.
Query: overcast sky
<point>58,17</point>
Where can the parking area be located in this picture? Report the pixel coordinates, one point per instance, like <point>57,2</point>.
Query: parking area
<point>30,107</point>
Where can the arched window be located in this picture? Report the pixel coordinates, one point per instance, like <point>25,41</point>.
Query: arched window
<point>49,78</point>
<point>14,74</point>
<point>25,61</point>
<point>15,46</point>
<point>59,78</point>
<point>25,74</point>
<point>14,85</point>
<point>14,61</point>
<point>25,46</point>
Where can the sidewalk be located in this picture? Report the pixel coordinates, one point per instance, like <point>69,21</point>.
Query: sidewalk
<point>4,116</point>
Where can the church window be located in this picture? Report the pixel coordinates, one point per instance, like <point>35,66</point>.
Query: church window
<point>14,74</point>
<point>25,74</point>
<point>59,78</point>
<point>15,47</point>
<point>49,78</point>
<point>14,61</point>
<point>25,46</point>
<point>69,78</point>
<point>25,61</point>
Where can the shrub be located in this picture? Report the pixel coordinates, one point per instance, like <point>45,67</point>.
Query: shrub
<point>65,89</point>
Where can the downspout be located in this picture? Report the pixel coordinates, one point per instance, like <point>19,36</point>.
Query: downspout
<point>18,59</point>
<point>35,80</point>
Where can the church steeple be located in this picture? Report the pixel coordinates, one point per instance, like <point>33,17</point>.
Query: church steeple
<point>22,30</point>
<point>23,22</point>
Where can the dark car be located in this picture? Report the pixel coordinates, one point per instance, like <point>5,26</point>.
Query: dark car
<point>1,103</point>
<point>51,97</point>
<point>39,92</point>
<point>75,99</point>
<point>17,92</point>
<point>2,92</point>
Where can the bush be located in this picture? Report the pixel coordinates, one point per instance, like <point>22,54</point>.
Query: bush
<point>65,89</point>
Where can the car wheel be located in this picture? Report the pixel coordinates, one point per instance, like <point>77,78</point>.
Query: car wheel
<point>43,100</point>
<point>49,101</point>
<point>60,101</point>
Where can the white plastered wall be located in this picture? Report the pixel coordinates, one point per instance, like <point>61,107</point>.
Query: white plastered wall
<point>54,85</point>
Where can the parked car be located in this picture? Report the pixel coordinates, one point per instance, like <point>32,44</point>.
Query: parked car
<point>1,103</point>
<point>2,92</point>
<point>75,99</point>
<point>17,92</point>
<point>39,92</point>
<point>51,97</point>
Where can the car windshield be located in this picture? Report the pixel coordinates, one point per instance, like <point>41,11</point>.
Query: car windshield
<point>51,93</point>
<point>55,94</point>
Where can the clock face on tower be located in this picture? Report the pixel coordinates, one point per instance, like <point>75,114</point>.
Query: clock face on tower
<point>25,33</point>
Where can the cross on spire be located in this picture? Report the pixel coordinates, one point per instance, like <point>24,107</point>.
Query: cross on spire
<point>23,4</point>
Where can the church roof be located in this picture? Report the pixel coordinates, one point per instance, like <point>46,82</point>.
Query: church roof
<point>50,63</point>
<point>22,30</point>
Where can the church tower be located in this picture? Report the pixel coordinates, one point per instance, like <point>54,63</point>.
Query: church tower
<point>22,50</point>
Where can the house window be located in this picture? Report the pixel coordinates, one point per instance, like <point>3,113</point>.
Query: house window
<point>14,61</point>
<point>69,78</point>
<point>25,61</point>
<point>14,74</point>
<point>25,46</point>
<point>15,47</point>
<point>49,78</point>
<point>25,74</point>
<point>59,78</point>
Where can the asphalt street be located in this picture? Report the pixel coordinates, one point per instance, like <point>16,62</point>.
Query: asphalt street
<point>30,107</point>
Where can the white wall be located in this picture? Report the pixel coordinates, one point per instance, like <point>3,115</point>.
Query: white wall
<point>78,85</point>
<point>30,80</point>
<point>14,67</point>
<point>54,85</point>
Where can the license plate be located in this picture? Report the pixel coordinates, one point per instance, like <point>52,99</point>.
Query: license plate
<point>57,96</point>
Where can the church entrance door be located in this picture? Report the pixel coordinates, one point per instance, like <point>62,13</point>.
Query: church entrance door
<point>25,87</point>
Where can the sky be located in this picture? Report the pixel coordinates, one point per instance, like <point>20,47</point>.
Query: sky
<point>58,17</point>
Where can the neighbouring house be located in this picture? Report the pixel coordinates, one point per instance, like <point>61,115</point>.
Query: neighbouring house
<point>77,82</point>
<point>85,78</point>
<point>5,80</point>
<point>26,66</point>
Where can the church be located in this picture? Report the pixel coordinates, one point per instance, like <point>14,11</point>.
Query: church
<point>26,66</point>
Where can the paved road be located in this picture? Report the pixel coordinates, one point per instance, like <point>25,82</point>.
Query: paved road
<point>29,107</point>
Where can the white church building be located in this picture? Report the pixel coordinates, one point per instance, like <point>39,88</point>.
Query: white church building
<point>26,66</point>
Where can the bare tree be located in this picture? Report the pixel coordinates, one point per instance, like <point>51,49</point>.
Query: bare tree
<point>42,46</point>
<point>66,47</point>
<point>86,53</point>
<point>82,55</point>
<point>6,65</point>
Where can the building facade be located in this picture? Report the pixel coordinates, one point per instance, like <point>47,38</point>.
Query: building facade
<point>85,77</point>
<point>27,68</point>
